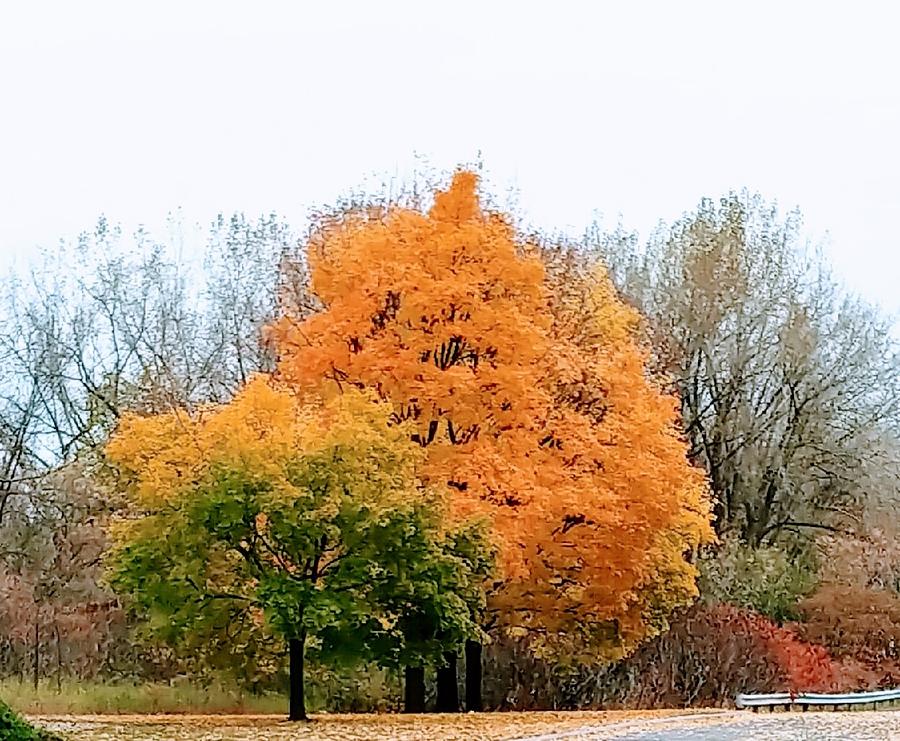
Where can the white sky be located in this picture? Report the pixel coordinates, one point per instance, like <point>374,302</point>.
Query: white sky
<point>633,108</point>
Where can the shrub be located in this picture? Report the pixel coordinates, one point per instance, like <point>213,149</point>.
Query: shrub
<point>14,728</point>
<point>713,652</point>
<point>520,677</point>
<point>708,655</point>
<point>861,627</point>
<point>807,667</point>
<point>766,579</point>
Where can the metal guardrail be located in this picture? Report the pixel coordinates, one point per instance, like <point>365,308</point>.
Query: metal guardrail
<point>814,698</point>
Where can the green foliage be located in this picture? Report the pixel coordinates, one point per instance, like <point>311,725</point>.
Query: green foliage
<point>212,637</point>
<point>78,697</point>
<point>14,728</point>
<point>766,579</point>
<point>337,545</point>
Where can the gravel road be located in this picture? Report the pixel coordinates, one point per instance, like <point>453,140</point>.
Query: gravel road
<point>736,726</point>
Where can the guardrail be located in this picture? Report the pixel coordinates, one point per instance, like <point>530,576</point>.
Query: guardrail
<point>805,699</point>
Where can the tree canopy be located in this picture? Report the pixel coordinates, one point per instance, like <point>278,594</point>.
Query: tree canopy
<point>530,409</point>
<point>306,518</point>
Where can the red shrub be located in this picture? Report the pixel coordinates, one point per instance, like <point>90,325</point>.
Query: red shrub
<point>861,627</point>
<point>807,667</point>
<point>804,667</point>
<point>712,653</point>
<point>709,654</point>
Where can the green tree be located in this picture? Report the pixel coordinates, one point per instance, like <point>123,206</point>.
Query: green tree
<point>323,536</point>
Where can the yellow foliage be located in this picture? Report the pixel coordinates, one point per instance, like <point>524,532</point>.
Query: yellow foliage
<point>262,428</point>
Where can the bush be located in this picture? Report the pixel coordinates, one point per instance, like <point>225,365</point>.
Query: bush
<point>807,667</point>
<point>14,728</point>
<point>517,676</point>
<point>766,580</point>
<point>709,654</point>
<point>861,627</point>
<point>712,653</point>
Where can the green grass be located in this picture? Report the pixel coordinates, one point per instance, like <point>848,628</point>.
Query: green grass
<point>86,698</point>
<point>360,689</point>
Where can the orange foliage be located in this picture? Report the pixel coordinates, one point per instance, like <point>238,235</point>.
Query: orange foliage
<point>556,433</point>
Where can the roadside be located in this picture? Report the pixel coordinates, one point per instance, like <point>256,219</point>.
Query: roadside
<point>743,726</point>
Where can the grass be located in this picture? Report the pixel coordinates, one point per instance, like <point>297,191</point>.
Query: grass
<point>102,698</point>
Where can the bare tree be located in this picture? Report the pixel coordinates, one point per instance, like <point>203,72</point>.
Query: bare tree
<point>789,386</point>
<point>107,324</point>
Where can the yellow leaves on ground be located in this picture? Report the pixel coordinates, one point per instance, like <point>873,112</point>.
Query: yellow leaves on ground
<point>437,727</point>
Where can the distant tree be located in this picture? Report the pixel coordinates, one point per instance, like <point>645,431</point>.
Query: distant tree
<point>868,559</point>
<point>98,326</point>
<point>113,322</point>
<point>51,600</point>
<point>789,386</point>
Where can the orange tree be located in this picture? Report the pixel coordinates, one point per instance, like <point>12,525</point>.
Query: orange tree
<point>303,521</point>
<point>530,401</point>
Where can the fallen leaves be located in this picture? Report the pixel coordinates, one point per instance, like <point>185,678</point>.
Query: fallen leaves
<point>436,727</point>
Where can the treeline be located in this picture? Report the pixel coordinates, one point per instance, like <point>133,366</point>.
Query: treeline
<point>106,324</point>
<point>788,393</point>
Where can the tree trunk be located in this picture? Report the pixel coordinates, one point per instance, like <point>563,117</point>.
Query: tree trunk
<point>37,651</point>
<point>447,687</point>
<point>473,677</point>
<point>414,689</point>
<point>58,661</point>
<point>296,647</point>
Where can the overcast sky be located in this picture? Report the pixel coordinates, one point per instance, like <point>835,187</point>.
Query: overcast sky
<point>629,108</point>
